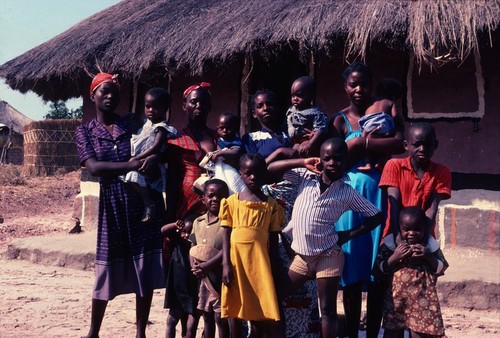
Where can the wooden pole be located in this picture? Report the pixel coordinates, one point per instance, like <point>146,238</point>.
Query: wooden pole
<point>245,95</point>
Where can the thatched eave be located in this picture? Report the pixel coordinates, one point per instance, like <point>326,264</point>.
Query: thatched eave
<point>139,37</point>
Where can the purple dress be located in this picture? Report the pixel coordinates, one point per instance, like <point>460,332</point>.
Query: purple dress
<point>129,253</point>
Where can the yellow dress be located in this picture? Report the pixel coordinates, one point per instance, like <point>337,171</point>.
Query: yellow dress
<point>251,295</point>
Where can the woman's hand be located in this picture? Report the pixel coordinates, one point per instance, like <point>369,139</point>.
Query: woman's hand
<point>148,163</point>
<point>313,164</point>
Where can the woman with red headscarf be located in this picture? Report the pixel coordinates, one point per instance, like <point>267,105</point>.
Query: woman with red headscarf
<point>129,254</point>
<point>183,203</point>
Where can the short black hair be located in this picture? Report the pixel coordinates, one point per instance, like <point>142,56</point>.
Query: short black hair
<point>389,88</point>
<point>216,181</point>
<point>308,82</point>
<point>251,101</point>
<point>359,68</point>
<point>426,127</point>
<point>414,212</point>
<point>161,95</point>
<point>254,157</point>
<point>336,141</point>
<point>233,118</point>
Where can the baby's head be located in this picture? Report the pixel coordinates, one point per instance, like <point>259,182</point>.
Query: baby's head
<point>213,192</point>
<point>227,127</point>
<point>412,223</point>
<point>303,92</point>
<point>156,104</point>
<point>421,143</point>
<point>390,89</point>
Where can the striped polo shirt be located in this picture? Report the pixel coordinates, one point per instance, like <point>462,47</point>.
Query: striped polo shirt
<point>314,214</point>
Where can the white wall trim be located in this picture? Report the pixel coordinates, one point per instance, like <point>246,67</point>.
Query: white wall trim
<point>412,114</point>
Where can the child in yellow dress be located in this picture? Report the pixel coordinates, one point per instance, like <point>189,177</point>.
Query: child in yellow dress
<point>251,222</point>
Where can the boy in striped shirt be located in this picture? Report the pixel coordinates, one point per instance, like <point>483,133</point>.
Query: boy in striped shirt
<point>322,198</point>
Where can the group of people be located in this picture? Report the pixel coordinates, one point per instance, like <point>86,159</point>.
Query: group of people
<point>260,231</point>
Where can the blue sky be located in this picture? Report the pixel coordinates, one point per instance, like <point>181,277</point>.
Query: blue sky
<point>25,24</point>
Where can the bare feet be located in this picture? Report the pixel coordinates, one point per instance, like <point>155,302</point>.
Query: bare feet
<point>366,167</point>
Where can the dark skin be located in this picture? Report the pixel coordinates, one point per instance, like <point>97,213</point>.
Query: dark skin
<point>358,88</point>
<point>197,106</point>
<point>155,112</point>
<point>253,175</point>
<point>106,98</point>
<point>265,111</point>
<point>412,247</point>
<point>212,197</point>
<point>227,129</point>
<point>302,94</point>
<point>420,145</point>
<point>331,167</point>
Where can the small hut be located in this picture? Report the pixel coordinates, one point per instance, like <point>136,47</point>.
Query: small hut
<point>49,147</point>
<point>445,52</point>
<point>11,134</point>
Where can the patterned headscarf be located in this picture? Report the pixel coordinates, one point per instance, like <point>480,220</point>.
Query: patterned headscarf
<point>101,78</point>
<point>203,85</point>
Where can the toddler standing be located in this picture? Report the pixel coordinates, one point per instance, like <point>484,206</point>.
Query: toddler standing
<point>151,139</point>
<point>412,268</point>
<point>251,222</point>
<point>206,258</point>
<point>307,124</point>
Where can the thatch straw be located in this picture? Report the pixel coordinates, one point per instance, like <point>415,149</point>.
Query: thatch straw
<point>49,147</point>
<point>144,37</point>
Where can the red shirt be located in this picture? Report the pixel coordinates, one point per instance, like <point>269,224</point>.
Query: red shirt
<point>398,173</point>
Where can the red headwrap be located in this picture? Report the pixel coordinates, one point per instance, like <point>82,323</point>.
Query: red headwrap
<point>101,78</point>
<point>204,85</point>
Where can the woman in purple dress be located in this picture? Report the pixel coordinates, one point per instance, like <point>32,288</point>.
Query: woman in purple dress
<point>129,255</point>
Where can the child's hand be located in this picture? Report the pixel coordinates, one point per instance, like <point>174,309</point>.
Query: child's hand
<point>198,269</point>
<point>402,251</point>
<point>313,164</point>
<point>227,274</point>
<point>420,251</point>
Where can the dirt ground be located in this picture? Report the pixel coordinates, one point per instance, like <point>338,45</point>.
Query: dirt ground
<point>42,301</point>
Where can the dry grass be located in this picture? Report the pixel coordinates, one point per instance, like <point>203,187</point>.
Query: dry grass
<point>11,175</point>
<point>142,38</point>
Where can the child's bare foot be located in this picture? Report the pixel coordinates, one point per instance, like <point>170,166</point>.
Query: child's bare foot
<point>366,167</point>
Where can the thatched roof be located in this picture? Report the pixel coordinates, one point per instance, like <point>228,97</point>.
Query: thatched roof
<point>139,37</point>
<point>12,118</point>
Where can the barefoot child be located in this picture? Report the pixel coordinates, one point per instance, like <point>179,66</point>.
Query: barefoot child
<point>412,267</point>
<point>307,124</point>
<point>151,139</point>
<point>206,258</point>
<point>251,223</point>
<point>323,197</point>
<point>381,119</point>
<point>181,296</point>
